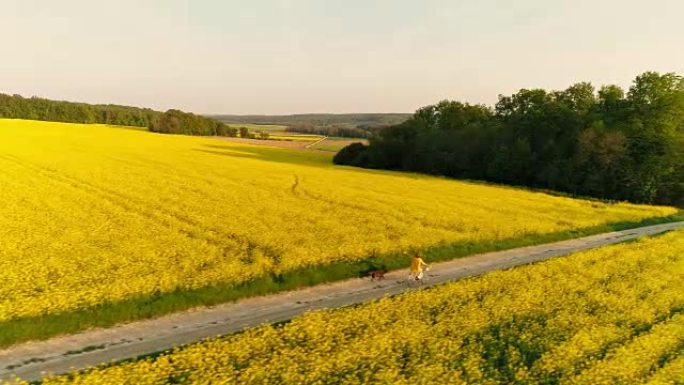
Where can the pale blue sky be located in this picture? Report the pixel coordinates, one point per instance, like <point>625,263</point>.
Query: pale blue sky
<point>280,56</point>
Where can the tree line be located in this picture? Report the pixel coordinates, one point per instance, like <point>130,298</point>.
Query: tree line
<point>340,125</point>
<point>170,122</point>
<point>608,144</point>
<point>179,122</point>
<point>18,107</point>
<point>360,131</point>
<point>337,120</point>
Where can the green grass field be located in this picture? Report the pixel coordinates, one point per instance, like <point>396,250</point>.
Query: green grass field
<point>334,144</point>
<point>296,137</point>
<point>254,128</point>
<point>276,132</point>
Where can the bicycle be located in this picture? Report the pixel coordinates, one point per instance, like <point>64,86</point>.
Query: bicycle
<point>414,280</point>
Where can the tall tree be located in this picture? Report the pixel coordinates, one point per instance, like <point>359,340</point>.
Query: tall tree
<point>605,144</point>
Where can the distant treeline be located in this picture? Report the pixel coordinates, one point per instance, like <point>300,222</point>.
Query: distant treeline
<point>607,144</point>
<point>18,107</point>
<point>371,119</point>
<point>179,122</point>
<point>344,125</point>
<point>361,131</point>
<point>170,122</point>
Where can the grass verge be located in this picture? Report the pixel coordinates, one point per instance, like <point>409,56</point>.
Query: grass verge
<point>154,305</point>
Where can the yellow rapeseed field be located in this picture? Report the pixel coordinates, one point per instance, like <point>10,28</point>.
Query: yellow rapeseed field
<point>93,214</point>
<point>608,316</point>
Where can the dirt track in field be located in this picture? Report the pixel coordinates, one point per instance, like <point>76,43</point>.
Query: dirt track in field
<point>63,354</point>
<point>291,144</point>
<point>325,145</point>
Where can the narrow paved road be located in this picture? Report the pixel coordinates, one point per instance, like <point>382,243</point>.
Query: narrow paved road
<point>59,355</point>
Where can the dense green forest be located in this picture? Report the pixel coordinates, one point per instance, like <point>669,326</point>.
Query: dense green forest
<point>179,122</point>
<point>609,143</point>
<point>170,122</point>
<point>342,125</point>
<point>18,107</point>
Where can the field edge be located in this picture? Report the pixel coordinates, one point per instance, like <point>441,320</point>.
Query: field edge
<point>159,304</point>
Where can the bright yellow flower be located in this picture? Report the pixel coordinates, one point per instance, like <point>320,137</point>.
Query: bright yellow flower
<point>93,214</point>
<point>607,316</point>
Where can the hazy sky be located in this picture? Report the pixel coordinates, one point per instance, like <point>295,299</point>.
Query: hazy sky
<point>280,56</point>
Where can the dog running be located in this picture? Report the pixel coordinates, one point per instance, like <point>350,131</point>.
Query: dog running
<point>377,274</point>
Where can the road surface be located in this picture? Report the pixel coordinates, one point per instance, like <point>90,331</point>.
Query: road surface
<point>32,360</point>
